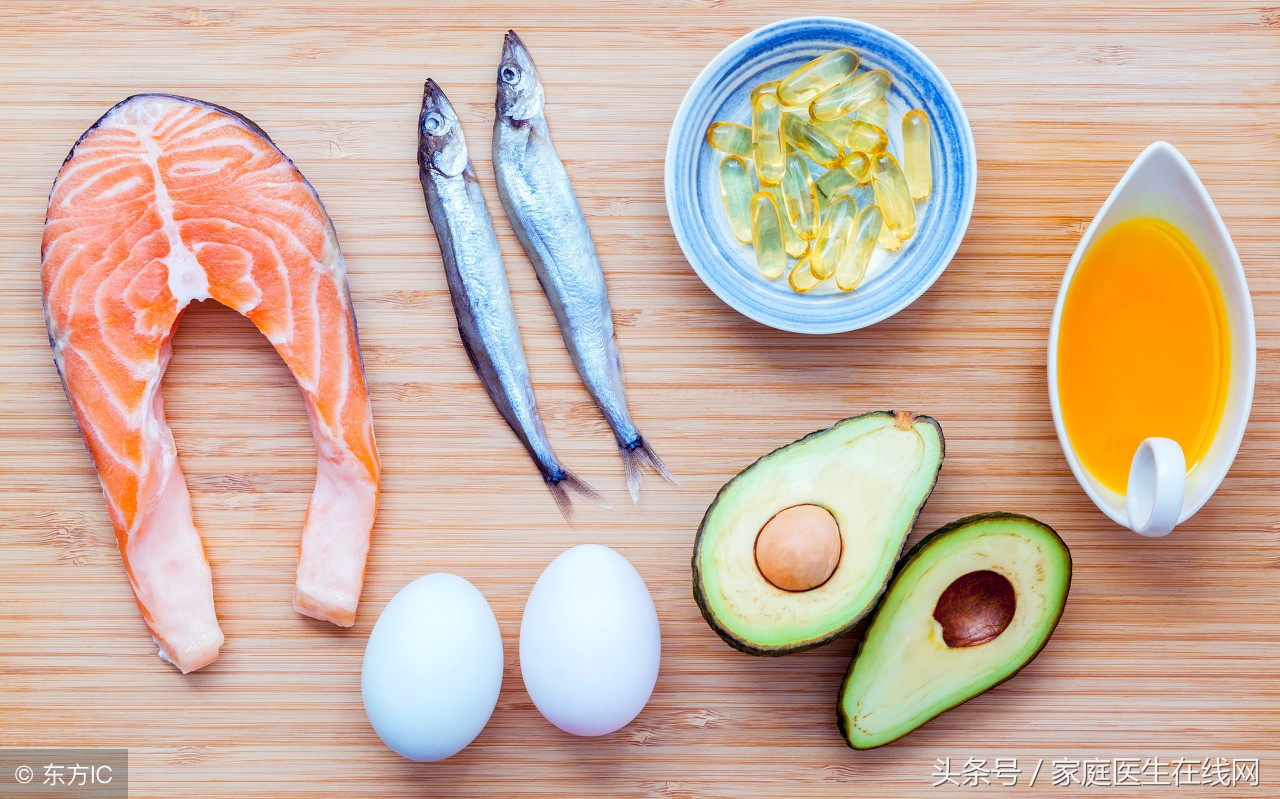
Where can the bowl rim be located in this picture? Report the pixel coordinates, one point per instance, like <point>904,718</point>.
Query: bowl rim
<point>968,191</point>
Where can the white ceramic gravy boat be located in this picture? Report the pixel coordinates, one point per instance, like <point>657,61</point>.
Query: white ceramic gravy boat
<point>1161,494</point>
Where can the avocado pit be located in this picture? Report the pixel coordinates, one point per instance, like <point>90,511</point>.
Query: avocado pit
<point>975,609</point>
<point>799,548</point>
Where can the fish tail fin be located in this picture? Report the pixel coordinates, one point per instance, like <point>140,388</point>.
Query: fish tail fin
<point>637,455</point>
<point>568,481</point>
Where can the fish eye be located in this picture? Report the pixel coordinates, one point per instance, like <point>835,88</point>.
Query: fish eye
<point>509,74</point>
<point>433,124</point>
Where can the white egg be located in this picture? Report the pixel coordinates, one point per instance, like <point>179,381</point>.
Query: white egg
<point>589,642</point>
<point>432,668</point>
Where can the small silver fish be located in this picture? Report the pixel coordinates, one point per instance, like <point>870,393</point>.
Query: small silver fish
<point>547,219</point>
<point>478,286</point>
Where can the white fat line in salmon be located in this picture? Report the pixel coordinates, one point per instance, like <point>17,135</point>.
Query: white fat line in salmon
<point>162,202</point>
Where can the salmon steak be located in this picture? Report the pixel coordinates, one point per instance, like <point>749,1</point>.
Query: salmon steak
<point>162,202</point>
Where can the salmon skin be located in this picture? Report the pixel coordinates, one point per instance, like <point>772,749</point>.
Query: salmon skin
<point>478,287</point>
<point>165,201</point>
<point>546,216</point>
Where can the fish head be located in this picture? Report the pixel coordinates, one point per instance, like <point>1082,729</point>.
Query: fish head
<point>441,146</point>
<point>519,85</point>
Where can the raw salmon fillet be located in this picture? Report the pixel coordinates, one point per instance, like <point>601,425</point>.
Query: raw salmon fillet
<point>164,201</point>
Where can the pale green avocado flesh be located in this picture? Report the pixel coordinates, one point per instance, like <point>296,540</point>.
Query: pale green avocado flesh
<point>872,472</point>
<point>911,667</point>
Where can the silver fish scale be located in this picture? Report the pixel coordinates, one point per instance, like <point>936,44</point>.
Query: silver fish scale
<point>548,220</point>
<point>482,303</point>
<point>479,290</point>
<point>546,216</point>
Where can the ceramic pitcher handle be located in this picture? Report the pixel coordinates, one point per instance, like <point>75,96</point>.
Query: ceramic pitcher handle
<point>1157,486</point>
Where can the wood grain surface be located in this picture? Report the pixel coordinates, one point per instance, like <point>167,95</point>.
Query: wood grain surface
<point>1167,647</point>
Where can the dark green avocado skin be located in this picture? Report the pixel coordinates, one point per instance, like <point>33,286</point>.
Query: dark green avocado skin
<point>945,530</point>
<point>813,643</point>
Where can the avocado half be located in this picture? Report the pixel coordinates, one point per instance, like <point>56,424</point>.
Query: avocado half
<point>969,607</point>
<point>872,473</point>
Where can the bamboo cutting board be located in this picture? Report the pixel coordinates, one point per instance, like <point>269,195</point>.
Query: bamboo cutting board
<point>1167,647</point>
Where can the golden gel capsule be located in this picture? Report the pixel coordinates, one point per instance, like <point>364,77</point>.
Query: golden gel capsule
<point>853,264</point>
<point>802,278</point>
<point>916,154</point>
<point>731,138</point>
<point>800,198</point>
<point>736,188</point>
<point>817,76</point>
<point>831,184</point>
<point>894,199</point>
<point>850,95</point>
<point>852,171</point>
<point>876,113</point>
<point>833,237</point>
<point>766,236</point>
<point>864,137</point>
<point>764,88</point>
<point>795,246</point>
<point>772,88</point>
<point>768,149</point>
<point>803,136</point>
<point>837,129</point>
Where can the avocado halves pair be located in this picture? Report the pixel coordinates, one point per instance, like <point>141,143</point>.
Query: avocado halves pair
<point>548,220</point>
<point>804,544</point>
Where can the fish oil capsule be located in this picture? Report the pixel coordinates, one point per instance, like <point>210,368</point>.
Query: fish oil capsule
<point>764,88</point>
<point>831,184</point>
<point>800,198</point>
<point>766,236</point>
<point>817,76</point>
<point>772,88</point>
<point>841,180</point>
<point>916,154</point>
<point>768,149</point>
<point>850,95</point>
<point>731,138</point>
<point>894,199</point>
<point>795,246</point>
<point>876,113</point>
<point>858,164</point>
<point>853,264</point>
<point>802,278</point>
<point>737,190</point>
<point>837,129</point>
<point>803,136</point>
<point>865,137</point>
<point>833,237</point>
<point>792,242</point>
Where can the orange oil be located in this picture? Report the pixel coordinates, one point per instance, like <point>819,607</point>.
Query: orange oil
<point>1143,349</point>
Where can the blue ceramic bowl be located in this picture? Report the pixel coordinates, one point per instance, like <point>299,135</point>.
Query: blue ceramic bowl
<point>722,92</point>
